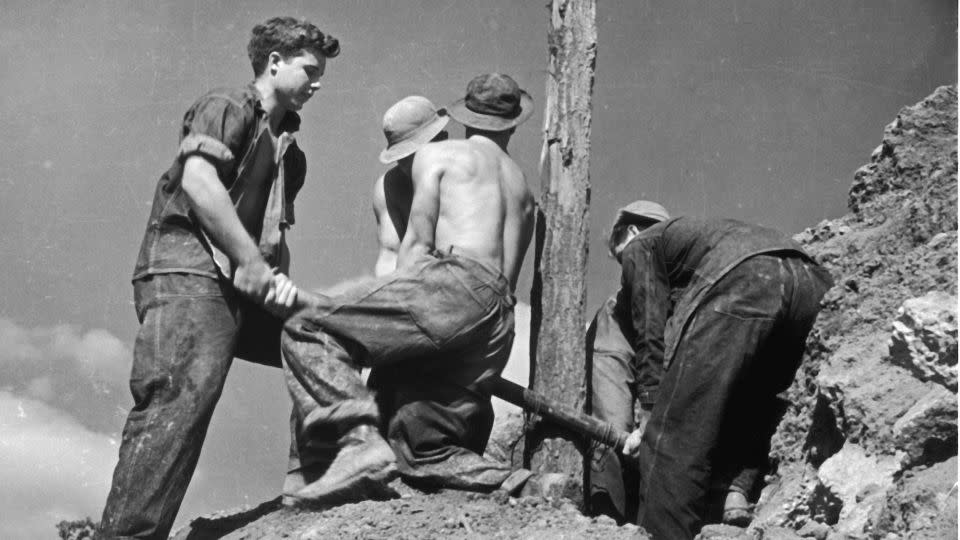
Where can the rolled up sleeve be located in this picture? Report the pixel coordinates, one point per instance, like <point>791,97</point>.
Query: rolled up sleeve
<point>214,128</point>
<point>204,145</point>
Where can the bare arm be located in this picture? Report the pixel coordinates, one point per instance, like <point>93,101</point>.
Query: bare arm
<point>209,200</point>
<point>420,236</point>
<point>517,228</point>
<point>387,237</point>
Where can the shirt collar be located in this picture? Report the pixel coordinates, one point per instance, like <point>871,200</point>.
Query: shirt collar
<point>290,123</point>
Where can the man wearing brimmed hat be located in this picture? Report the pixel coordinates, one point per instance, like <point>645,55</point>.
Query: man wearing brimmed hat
<point>491,110</point>
<point>435,324</point>
<point>407,125</point>
<point>494,103</point>
<point>616,384</point>
<point>746,297</point>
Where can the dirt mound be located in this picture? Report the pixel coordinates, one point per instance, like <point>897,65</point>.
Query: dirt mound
<point>416,515</point>
<point>876,401</point>
<point>868,446</point>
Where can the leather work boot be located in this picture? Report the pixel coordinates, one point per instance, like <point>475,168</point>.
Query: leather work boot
<point>361,470</point>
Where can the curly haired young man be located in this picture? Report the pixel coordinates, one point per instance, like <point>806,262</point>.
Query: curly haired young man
<point>210,279</point>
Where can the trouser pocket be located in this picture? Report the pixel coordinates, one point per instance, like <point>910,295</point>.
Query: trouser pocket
<point>445,303</point>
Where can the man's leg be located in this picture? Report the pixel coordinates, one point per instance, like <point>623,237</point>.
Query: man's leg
<point>439,417</point>
<point>611,400</point>
<point>339,453</point>
<point>435,305</point>
<point>323,348</point>
<point>425,310</point>
<point>720,344</point>
<point>336,453</point>
<point>181,358</point>
<point>758,407</point>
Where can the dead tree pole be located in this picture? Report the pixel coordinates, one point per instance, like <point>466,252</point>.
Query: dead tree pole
<point>559,293</point>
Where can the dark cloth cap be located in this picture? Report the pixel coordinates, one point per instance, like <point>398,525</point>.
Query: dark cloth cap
<point>642,209</point>
<point>494,102</point>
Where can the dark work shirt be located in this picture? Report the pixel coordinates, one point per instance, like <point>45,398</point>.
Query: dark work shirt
<point>225,127</point>
<point>682,258</point>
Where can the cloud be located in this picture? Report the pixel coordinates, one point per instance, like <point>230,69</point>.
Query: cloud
<point>84,372</point>
<point>63,399</point>
<point>51,468</point>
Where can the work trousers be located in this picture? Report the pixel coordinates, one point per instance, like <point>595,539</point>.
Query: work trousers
<point>718,406</point>
<point>612,487</point>
<point>433,332</point>
<point>184,348</point>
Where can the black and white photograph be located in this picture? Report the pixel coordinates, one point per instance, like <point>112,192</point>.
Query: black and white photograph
<point>429,269</point>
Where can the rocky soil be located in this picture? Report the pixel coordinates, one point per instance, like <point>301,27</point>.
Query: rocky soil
<point>868,447</point>
<point>415,516</point>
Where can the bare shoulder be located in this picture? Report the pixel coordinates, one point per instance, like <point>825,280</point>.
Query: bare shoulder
<point>447,156</point>
<point>450,149</point>
<point>512,173</point>
<point>512,169</point>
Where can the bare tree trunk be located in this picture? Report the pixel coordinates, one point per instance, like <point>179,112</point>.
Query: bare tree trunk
<point>559,294</point>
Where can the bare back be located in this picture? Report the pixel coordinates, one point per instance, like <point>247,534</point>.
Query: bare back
<point>469,195</point>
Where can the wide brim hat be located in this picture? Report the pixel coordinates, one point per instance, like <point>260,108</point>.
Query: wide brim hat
<point>493,102</point>
<point>409,125</point>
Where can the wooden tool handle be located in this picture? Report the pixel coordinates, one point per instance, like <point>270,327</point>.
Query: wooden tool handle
<point>582,424</point>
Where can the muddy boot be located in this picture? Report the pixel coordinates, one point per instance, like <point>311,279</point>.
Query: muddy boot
<point>361,470</point>
<point>464,470</point>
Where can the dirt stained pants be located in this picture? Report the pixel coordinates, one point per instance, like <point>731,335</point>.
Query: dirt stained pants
<point>433,332</point>
<point>612,485</point>
<point>187,340</point>
<point>718,403</point>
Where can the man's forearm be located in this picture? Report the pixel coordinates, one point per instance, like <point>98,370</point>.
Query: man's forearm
<point>386,262</point>
<point>215,211</point>
<point>419,240</point>
<point>420,236</point>
<point>411,252</point>
<point>526,235</point>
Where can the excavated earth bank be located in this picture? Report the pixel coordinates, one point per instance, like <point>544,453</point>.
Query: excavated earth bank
<point>868,447</point>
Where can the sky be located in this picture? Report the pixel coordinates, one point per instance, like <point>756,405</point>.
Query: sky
<point>752,109</point>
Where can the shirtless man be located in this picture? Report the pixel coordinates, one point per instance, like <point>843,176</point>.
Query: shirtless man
<point>439,431</point>
<point>445,313</point>
<point>393,191</point>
